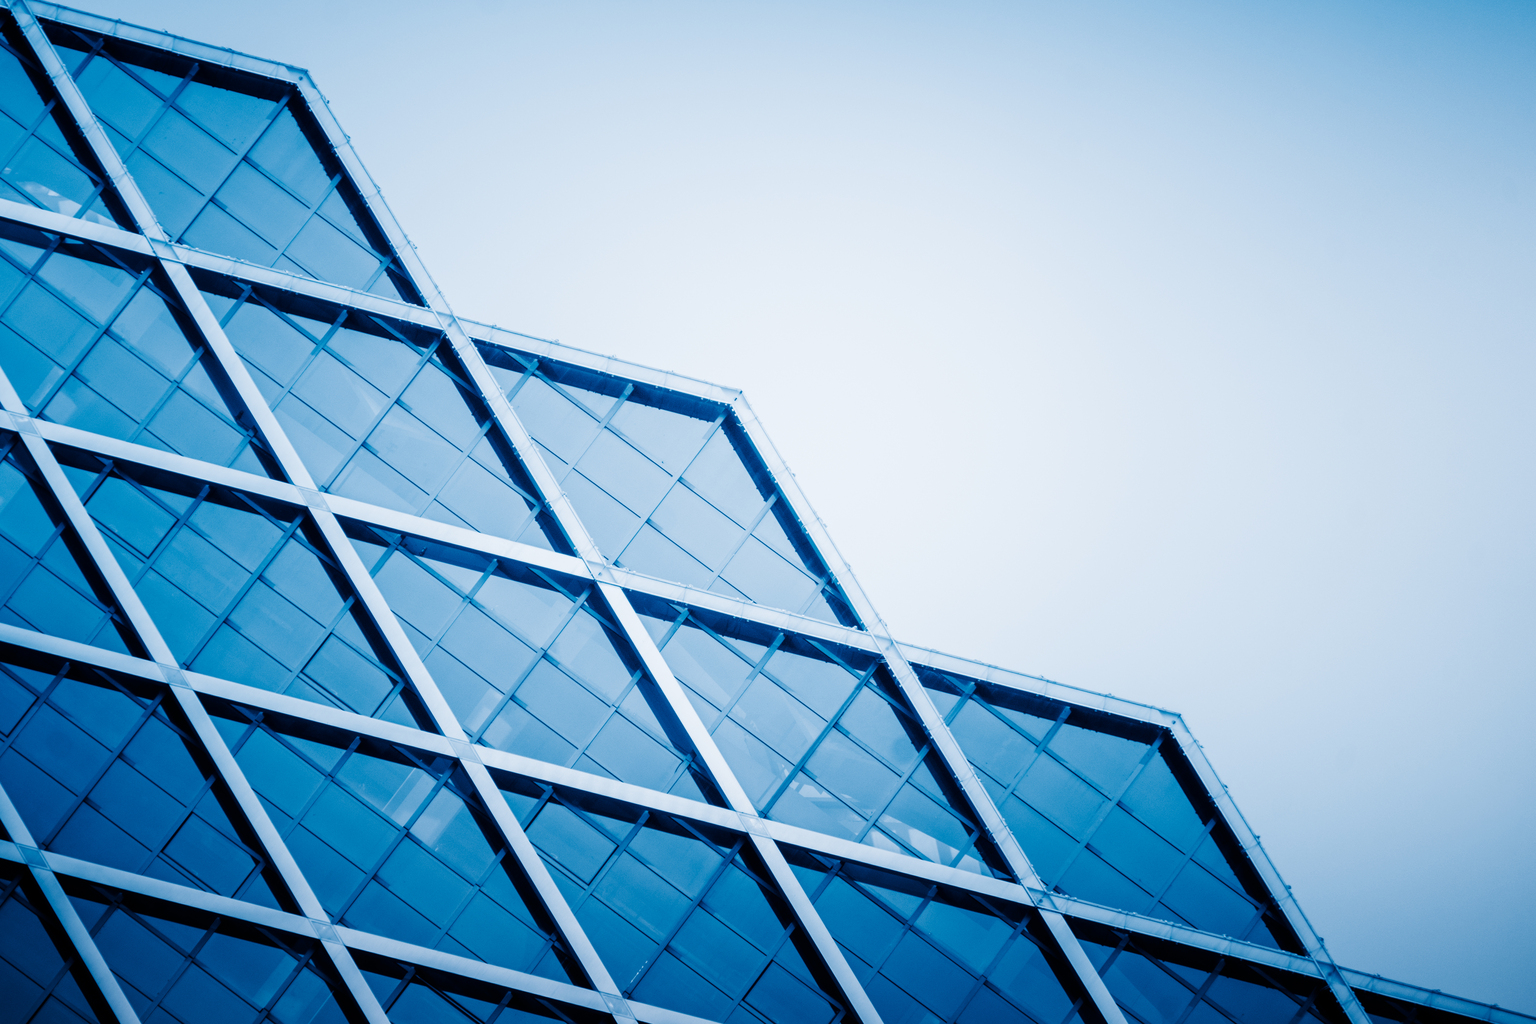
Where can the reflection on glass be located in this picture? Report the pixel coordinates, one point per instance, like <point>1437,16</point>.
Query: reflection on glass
<point>819,737</point>
<point>1100,809</point>
<point>668,485</point>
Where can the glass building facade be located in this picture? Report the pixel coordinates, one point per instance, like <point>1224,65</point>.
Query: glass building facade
<point>359,662</point>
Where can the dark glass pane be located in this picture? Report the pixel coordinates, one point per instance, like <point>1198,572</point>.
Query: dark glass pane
<point>528,661</point>
<point>383,413</point>
<point>233,163</point>
<point>93,341</point>
<point>44,161</point>
<point>683,918</point>
<point>38,971</point>
<point>178,964</point>
<point>1162,983</point>
<point>396,843</point>
<point>47,582</point>
<point>418,995</point>
<point>1108,811</point>
<point>926,952</point>
<point>243,589</point>
<point>100,770</point>
<point>819,739</point>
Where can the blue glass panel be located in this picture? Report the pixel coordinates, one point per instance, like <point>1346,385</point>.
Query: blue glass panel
<point>667,485</point>
<point>243,589</point>
<point>683,918</point>
<point>42,584</point>
<point>195,967</point>
<point>94,341</point>
<point>1108,810</point>
<point>37,977</point>
<point>101,771</point>
<point>929,953</point>
<point>384,413</point>
<point>818,737</point>
<point>1161,983</point>
<point>417,995</point>
<point>530,663</point>
<point>44,161</point>
<point>395,842</point>
<point>234,164</point>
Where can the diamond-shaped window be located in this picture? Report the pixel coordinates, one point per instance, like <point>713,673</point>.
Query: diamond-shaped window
<point>383,413</point>
<point>93,339</point>
<point>100,770</point>
<point>531,663</point>
<point>47,580</point>
<point>669,485</point>
<point>243,588</point>
<point>396,843</point>
<point>188,966</point>
<point>232,163</point>
<point>1108,810</point>
<point>925,952</point>
<point>1158,982</point>
<point>683,917</point>
<point>819,737</point>
<point>46,163</point>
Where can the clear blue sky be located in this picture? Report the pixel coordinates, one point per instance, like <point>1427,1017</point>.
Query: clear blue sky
<point>1182,350</point>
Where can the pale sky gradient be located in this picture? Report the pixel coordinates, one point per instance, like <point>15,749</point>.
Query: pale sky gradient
<point>1179,350</point>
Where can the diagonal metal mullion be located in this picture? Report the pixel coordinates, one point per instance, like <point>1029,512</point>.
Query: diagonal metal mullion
<point>64,911</point>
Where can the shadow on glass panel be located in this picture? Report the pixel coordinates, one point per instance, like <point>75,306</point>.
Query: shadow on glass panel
<point>1157,982</point>
<point>382,412</point>
<point>41,979</point>
<point>395,842</point>
<point>1386,1010</point>
<point>411,994</point>
<point>928,953</point>
<point>243,588</point>
<point>105,769</point>
<point>1109,810</point>
<point>46,162</point>
<point>819,736</point>
<point>93,338</point>
<point>232,163</point>
<point>668,485</point>
<point>48,582</point>
<point>684,917</point>
<point>182,965</point>
<point>531,662</point>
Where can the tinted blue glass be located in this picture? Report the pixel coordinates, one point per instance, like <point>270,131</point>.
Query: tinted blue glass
<point>35,975</point>
<point>234,164</point>
<point>529,662</point>
<point>416,995</point>
<point>397,843</point>
<point>43,162</point>
<point>1104,817</point>
<point>819,739</point>
<point>666,487</point>
<point>100,772</point>
<point>42,584</point>
<point>682,918</point>
<point>92,341</point>
<point>244,590</point>
<point>384,414</point>
<point>1161,983</point>
<point>925,952</point>
<point>198,968</point>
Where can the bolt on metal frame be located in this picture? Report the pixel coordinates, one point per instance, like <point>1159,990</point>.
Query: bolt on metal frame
<point>613,583</point>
